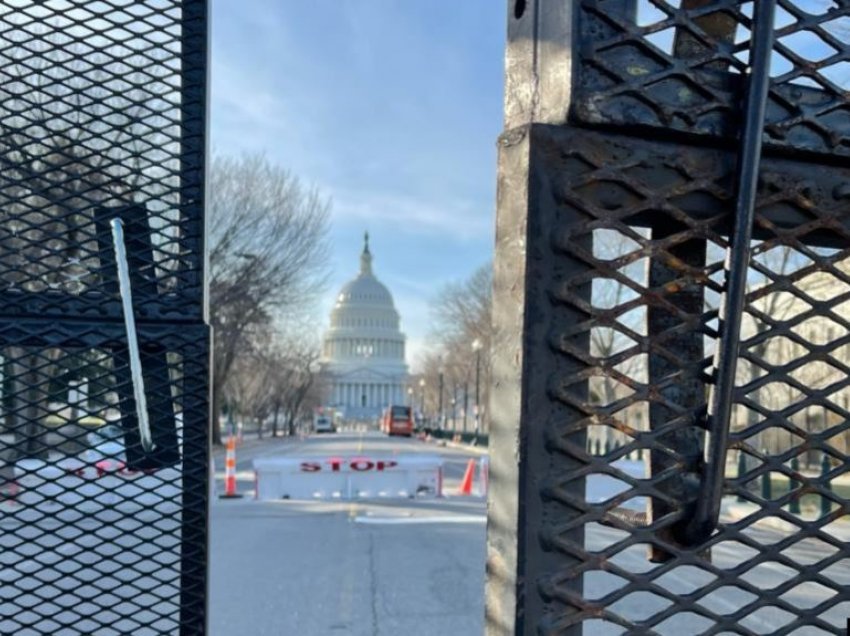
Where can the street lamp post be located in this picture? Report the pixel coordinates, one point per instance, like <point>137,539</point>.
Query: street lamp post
<point>465,402</point>
<point>454,406</point>
<point>422,398</point>
<point>440,400</point>
<point>476,347</point>
<point>410,396</point>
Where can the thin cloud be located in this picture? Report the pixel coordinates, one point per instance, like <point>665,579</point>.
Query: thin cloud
<point>312,86</point>
<point>238,96</point>
<point>447,217</point>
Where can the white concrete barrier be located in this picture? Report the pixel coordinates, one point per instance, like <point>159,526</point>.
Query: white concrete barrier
<point>484,476</point>
<point>69,488</point>
<point>353,477</point>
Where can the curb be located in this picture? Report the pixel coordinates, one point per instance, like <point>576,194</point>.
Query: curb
<point>477,450</point>
<point>738,512</point>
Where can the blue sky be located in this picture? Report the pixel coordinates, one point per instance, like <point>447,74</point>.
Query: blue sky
<point>391,108</point>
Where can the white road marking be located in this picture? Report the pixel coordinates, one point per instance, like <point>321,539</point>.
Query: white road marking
<point>397,521</point>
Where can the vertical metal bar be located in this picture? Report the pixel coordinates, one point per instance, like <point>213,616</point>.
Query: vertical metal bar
<point>538,62</point>
<point>199,404</point>
<point>506,522</point>
<point>140,264</point>
<point>681,392</point>
<point>132,341</point>
<point>737,263</point>
<point>524,560</point>
<point>195,479</point>
<point>679,384</point>
<point>555,387</point>
<point>465,402</point>
<point>477,390</point>
<point>441,423</point>
<point>194,125</point>
<point>535,534</point>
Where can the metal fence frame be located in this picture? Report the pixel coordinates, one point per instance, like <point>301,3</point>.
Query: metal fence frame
<point>606,130</point>
<point>166,153</point>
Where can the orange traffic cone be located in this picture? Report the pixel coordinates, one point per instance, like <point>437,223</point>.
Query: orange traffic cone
<point>468,476</point>
<point>230,471</point>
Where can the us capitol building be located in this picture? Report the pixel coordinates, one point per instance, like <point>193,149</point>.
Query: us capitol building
<point>363,350</point>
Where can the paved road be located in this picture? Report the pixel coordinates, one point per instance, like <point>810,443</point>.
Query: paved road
<point>376,568</point>
<point>726,599</point>
<point>371,567</point>
<point>416,568</point>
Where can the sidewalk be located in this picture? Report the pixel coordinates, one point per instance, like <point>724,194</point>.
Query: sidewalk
<point>478,450</point>
<point>735,511</point>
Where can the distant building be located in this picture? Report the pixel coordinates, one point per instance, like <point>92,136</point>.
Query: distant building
<point>363,351</point>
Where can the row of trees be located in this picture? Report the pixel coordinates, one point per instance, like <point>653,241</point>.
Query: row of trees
<point>458,358</point>
<point>461,316</point>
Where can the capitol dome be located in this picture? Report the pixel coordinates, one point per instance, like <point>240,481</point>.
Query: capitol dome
<point>365,289</point>
<point>363,352</point>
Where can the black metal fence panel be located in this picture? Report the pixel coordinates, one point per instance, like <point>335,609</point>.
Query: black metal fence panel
<point>614,238</point>
<point>93,542</point>
<point>104,352</point>
<point>679,66</point>
<point>634,274</point>
<point>102,108</point>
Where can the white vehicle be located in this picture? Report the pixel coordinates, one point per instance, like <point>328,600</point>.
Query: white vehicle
<point>323,424</point>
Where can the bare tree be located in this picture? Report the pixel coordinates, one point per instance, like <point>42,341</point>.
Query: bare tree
<point>303,392</point>
<point>461,314</point>
<point>770,266</point>
<point>782,269</point>
<point>609,341</point>
<point>276,382</point>
<point>268,255</point>
<point>247,389</point>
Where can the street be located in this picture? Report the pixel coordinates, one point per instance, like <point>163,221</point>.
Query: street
<point>416,567</point>
<point>377,567</point>
<point>380,566</point>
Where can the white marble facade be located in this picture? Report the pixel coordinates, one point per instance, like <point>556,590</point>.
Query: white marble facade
<point>363,351</point>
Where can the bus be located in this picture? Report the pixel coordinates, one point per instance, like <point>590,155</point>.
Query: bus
<point>397,420</point>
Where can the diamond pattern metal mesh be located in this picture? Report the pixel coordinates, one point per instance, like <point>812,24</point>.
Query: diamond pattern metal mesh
<point>91,540</point>
<point>679,65</point>
<point>628,285</point>
<point>101,108</point>
<point>102,120</point>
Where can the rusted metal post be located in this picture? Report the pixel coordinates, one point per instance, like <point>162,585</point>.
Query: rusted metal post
<point>529,515</point>
<point>632,133</point>
<point>679,388</point>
